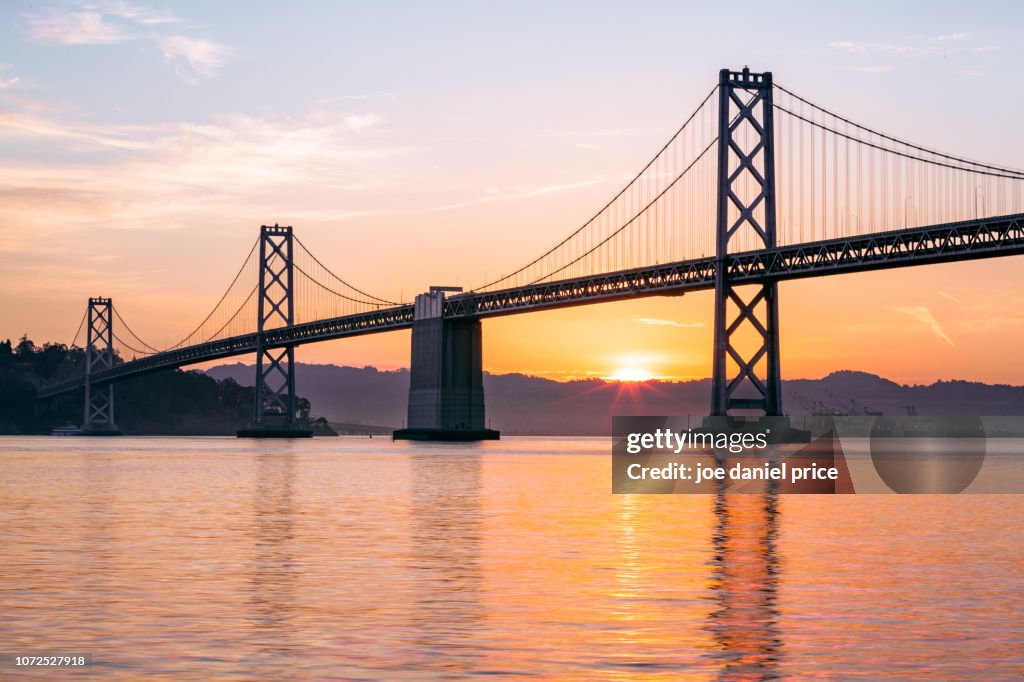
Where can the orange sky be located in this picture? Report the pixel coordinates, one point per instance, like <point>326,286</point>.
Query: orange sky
<point>139,165</point>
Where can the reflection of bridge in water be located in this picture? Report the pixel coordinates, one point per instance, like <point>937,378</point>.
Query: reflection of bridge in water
<point>758,186</point>
<point>274,569</point>
<point>698,584</point>
<point>446,610</point>
<point>744,624</point>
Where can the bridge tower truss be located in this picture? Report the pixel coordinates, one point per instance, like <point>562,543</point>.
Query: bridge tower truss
<point>99,356</point>
<point>275,377</point>
<point>745,373</point>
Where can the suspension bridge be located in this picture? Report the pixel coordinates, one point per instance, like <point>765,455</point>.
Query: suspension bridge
<point>758,185</point>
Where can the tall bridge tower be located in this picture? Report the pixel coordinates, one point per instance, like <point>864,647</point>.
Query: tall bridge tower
<point>99,356</point>
<point>274,412</point>
<point>745,367</point>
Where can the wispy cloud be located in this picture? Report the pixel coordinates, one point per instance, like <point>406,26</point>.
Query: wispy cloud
<point>145,16</point>
<point>169,175</point>
<point>6,81</point>
<point>390,96</point>
<point>112,22</point>
<point>866,47</point>
<point>925,317</point>
<point>886,57</point>
<point>63,27</point>
<point>666,323</point>
<point>202,56</point>
<point>598,133</point>
<point>945,44</point>
<point>276,137</point>
<point>881,68</point>
<point>949,296</point>
<point>494,194</point>
<point>82,136</point>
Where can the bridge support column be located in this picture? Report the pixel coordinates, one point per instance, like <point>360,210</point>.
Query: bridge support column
<point>746,373</point>
<point>274,414</point>
<point>446,392</point>
<point>99,355</point>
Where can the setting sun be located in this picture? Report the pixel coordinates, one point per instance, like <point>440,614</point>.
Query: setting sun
<point>630,374</point>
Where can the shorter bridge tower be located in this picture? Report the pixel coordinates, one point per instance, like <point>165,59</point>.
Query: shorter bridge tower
<point>99,356</point>
<point>274,413</point>
<point>446,391</point>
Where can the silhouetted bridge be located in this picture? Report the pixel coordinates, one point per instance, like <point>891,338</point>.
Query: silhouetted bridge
<point>844,188</point>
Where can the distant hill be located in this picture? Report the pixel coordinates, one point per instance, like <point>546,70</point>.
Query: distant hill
<point>350,395</point>
<point>526,405</point>
<point>172,402</point>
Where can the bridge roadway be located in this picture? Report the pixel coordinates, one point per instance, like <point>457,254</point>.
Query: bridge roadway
<point>967,240</point>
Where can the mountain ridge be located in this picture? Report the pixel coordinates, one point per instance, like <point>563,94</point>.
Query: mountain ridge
<point>521,404</point>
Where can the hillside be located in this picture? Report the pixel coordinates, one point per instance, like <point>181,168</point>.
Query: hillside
<point>519,404</point>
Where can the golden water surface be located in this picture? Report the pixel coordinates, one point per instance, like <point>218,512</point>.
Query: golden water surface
<point>359,559</point>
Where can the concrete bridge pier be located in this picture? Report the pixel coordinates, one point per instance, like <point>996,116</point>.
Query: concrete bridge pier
<point>446,392</point>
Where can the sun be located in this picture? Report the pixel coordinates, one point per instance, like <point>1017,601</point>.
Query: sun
<point>630,374</point>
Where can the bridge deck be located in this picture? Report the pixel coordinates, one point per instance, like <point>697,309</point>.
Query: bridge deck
<point>967,240</point>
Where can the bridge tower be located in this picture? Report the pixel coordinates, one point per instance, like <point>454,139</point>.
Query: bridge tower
<point>446,391</point>
<point>745,374</point>
<point>99,355</point>
<point>274,413</point>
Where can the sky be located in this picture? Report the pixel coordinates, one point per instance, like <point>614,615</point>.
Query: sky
<point>414,144</point>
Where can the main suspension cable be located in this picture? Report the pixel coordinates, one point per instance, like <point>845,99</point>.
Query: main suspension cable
<point>1009,171</point>
<point>376,304</point>
<point>895,152</point>
<point>612,200</point>
<point>81,324</point>
<point>631,220</point>
<point>331,273</point>
<point>226,292</point>
<point>136,336</point>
